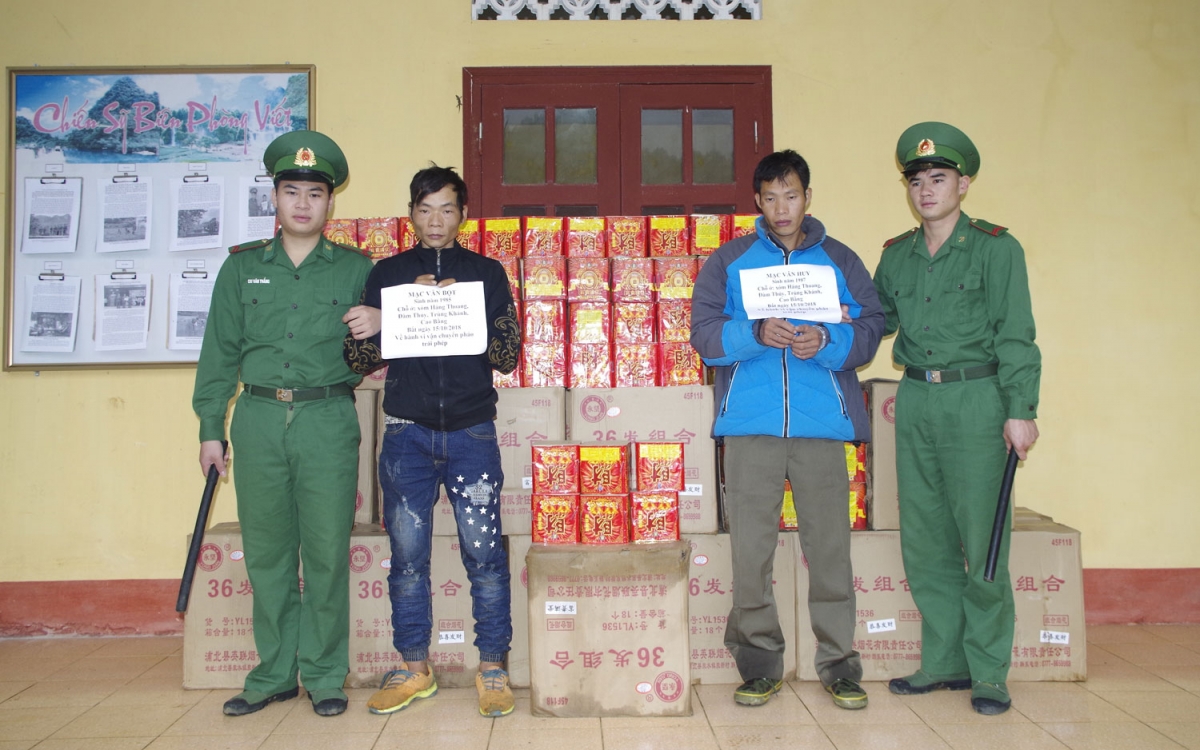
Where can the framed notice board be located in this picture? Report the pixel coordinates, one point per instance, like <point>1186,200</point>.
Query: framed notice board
<point>126,186</point>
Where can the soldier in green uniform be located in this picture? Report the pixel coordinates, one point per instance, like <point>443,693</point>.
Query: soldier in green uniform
<point>956,290</point>
<point>278,315</point>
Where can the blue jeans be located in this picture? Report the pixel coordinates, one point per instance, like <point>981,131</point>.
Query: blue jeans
<point>413,462</point>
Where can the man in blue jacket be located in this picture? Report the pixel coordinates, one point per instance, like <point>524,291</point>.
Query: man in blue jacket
<point>787,399</point>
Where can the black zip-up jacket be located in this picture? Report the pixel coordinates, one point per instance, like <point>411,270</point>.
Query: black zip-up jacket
<point>442,393</point>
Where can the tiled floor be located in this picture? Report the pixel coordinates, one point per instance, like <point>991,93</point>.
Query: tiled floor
<point>1143,692</point>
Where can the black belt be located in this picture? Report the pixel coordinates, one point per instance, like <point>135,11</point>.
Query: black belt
<point>299,394</point>
<point>951,376</point>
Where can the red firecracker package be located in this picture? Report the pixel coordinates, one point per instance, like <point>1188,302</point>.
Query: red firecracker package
<point>555,468</point>
<point>511,380</point>
<point>675,278</point>
<point>543,235</point>
<point>635,365</point>
<point>856,462</point>
<point>545,277</point>
<point>591,322</point>
<point>858,506</point>
<point>668,235</point>
<point>626,236</point>
<point>469,235</point>
<point>675,321</point>
<point>743,224</point>
<point>589,366</point>
<point>585,237</point>
<point>658,466</point>
<point>588,280</point>
<point>544,321</point>
<point>654,516</point>
<point>555,519</point>
<point>380,237</point>
<point>633,322</point>
<point>604,519</point>
<point>544,365</point>
<point>343,232</point>
<point>787,517</point>
<point>408,234</point>
<point>604,469</point>
<point>501,237</point>
<point>512,267</point>
<point>679,364</point>
<point>632,280</point>
<point>709,231</point>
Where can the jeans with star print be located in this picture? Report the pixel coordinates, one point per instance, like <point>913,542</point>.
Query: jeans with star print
<point>413,463</point>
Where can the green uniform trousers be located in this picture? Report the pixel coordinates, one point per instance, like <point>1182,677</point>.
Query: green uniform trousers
<point>296,475</point>
<point>949,462</point>
<point>755,467</point>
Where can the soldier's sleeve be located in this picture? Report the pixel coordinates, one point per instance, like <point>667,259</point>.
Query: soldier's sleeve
<point>1011,313</point>
<point>504,333</point>
<point>365,356</point>
<point>220,354</point>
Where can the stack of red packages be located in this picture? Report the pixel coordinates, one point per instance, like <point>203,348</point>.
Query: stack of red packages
<point>590,356</point>
<point>635,359</point>
<point>408,234</point>
<point>544,362</point>
<point>654,506</point>
<point>379,237</point>
<point>856,469</point>
<point>469,235</point>
<point>343,232</point>
<point>585,237</point>
<point>555,501</point>
<point>604,494</point>
<point>542,235</point>
<point>709,231</point>
<point>501,237</point>
<point>626,236</point>
<point>743,224</point>
<point>667,235</point>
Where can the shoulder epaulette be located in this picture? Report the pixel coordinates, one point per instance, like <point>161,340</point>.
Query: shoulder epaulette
<point>993,229</point>
<point>351,248</point>
<point>899,237</point>
<point>256,244</point>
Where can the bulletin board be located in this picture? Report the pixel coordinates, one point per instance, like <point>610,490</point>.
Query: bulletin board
<point>126,186</point>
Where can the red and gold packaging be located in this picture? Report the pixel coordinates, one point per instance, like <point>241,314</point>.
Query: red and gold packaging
<point>555,468</point>
<point>787,517</point>
<point>633,322</point>
<point>544,365</point>
<point>675,321</point>
<point>668,235</point>
<point>709,231</point>
<point>545,277</point>
<point>512,267</point>
<point>501,237</point>
<point>604,469</point>
<point>585,237</point>
<point>555,519</point>
<point>542,235</point>
<point>544,321</point>
<point>469,235</point>
<point>380,236</point>
<point>856,462</point>
<point>675,278</point>
<point>659,466</point>
<point>590,322</point>
<point>654,516</point>
<point>511,380</point>
<point>604,519</point>
<point>588,280</point>
<point>632,280</point>
<point>343,232</point>
<point>635,365</point>
<point>408,234</point>
<point>679,364</point>
<point>626,236</point>
<point>743,224</point>
<point>858,506</point>
<point>589,366</point>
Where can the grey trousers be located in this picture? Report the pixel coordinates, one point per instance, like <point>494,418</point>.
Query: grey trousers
<point>755,467</point>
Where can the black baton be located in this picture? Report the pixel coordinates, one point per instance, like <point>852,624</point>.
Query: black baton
<point>189,567</point>
<point>1010,469</point>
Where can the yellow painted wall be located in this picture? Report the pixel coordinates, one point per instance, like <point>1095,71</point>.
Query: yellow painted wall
<point>1087,114</point>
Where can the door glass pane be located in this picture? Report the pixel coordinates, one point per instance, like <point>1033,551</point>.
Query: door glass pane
<point>575,146</point>
<point>712,146</point>
<point>524,146</point>
<point>580,210</point>
<point>662,146</point>
<point>523,211</point>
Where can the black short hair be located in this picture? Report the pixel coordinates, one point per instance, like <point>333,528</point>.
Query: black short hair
<point>432,179</point>
<point>304,175</point>
<point>915,168</point>
<point>777,166</point>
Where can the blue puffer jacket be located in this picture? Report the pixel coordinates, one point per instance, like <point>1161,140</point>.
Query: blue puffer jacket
<point>761,390</point>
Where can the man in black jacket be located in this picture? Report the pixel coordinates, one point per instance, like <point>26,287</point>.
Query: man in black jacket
<point>440,414</point>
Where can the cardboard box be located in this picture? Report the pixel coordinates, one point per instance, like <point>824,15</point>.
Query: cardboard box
<point>1049,642</point>
<point>682,414</point>
<point>518,655</point>
<point>218,635</point>
<point>711,597</point>
<point>608,630</point>
<point>365,505</point>
<point>883,494</point>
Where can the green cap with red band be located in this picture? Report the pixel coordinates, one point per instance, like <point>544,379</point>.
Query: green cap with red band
<point>307,151</point>
<point>937,144</point>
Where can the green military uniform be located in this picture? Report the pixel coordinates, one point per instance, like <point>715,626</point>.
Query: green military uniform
<point>278,328</point>
<point>964,319</point>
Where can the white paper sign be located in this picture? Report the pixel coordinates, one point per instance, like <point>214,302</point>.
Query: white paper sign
<point>451,636</point>
<point>562,608</point>
<point>801,291</point>
<point>1056,636</point>
<point>430,321</point>
<point>881,626</point>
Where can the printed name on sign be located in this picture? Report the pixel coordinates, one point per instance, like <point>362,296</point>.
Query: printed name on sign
<point>1056,636</point>
<point>452,636</point>
<point>692,489</point>
<point>881,626</point>
<point>798,292</point>
<point>562,608</point>
<point>430,321</point>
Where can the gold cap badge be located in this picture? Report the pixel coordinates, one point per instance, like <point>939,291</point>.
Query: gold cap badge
<point>926,148</point>
<point>305,158</point>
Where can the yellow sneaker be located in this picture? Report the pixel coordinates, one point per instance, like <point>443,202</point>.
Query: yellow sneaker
<point>401,687</point>
<point>495,697</point>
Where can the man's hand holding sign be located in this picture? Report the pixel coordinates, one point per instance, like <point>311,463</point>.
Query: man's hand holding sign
<point>425,318</point>
<point>805,292</point>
